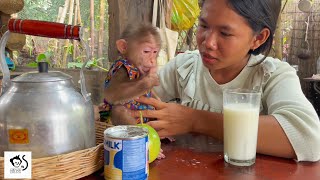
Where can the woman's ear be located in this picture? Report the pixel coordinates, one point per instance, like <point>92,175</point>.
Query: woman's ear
<point>121,46</point>
<point>260,38</point>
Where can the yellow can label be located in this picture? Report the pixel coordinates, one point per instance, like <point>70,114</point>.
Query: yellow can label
<point>18,136</point>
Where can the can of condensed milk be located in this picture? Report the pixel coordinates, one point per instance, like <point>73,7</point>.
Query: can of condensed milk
<point>126,153</point>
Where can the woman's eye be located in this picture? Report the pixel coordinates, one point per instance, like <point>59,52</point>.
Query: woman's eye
<point>145,51</point>
<point>203,25</point>
<point>155,52</point>
<point>226,34</point>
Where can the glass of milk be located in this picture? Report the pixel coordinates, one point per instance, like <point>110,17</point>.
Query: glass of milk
<point>240,125</point>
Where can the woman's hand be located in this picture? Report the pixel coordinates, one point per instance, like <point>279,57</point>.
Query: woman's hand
<point>172,119</point>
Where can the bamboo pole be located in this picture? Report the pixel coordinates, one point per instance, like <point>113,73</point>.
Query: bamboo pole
<point>55,41</point>
<point>61,18</point>
<point>59,14</point>
<point>65,55</point>
<point>75,22</point>
<point>168,10</point>
<point>278,39</point>
<point>101,31</point>
<point>92,27</point>
<point>64,12</point>
<point>79,14</point>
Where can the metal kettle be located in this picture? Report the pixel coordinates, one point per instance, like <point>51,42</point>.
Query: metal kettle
<point>42,112</point>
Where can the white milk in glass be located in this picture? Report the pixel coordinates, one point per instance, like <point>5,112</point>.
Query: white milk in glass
<point>240,131</point>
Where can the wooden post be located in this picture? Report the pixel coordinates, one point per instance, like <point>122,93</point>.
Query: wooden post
<point>101,31</point>
<point>120,13</point>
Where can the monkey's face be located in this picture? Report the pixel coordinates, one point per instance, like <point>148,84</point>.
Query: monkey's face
<point>143,54</point>
<point>16,163</point>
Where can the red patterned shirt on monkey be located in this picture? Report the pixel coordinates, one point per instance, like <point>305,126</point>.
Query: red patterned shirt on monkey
<point>133,73</point>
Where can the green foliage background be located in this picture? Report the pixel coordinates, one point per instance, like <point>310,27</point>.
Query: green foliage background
<point>47,10</point>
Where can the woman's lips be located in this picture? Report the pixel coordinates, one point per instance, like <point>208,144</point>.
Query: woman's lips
<point>207,58</point>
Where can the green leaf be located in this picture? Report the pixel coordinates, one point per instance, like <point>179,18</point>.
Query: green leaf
<point>284,40</point>
<point>74,65</point>
<point>32,64</point>
<point>41,57</point>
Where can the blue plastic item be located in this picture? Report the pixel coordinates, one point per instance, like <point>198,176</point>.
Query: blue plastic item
<point>9,61</point>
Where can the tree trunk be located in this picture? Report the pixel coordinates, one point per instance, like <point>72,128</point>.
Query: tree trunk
<point>92,27</point>
<point>101,33</point>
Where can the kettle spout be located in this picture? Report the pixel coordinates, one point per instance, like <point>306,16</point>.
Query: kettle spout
<point>6,83</point>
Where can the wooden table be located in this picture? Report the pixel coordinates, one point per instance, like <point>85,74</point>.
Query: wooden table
<point>198,157</point>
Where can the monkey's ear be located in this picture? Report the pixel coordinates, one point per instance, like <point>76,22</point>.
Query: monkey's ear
<point>121,46</point>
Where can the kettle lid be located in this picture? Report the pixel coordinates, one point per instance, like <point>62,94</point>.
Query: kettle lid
<point>42,75</point>
<point>36,77</point>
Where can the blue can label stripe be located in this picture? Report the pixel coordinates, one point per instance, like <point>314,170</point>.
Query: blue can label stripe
<point>126,159</point>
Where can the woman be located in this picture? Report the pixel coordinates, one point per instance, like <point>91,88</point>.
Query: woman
<point>231,36</point>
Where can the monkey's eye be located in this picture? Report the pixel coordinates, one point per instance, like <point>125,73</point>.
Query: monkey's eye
<point>147,50</point>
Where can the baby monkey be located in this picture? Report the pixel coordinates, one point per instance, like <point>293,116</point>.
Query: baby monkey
<point>133,75</point>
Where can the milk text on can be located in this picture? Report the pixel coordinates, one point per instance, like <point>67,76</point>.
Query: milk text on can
<point>126,153</point>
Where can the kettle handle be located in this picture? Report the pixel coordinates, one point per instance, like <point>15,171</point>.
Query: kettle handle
<point>6,83</point>
<point>51,30</point>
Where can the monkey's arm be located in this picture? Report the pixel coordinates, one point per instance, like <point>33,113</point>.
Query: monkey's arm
<point>121,116</point>
<point>121,88</point>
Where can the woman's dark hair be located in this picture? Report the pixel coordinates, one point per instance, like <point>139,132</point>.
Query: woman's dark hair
<point>259,14</point>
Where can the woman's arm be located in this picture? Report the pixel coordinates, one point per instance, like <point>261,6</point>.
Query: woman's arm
<point>176,119</point>
<point>271,138</point>
<point>284,100</point>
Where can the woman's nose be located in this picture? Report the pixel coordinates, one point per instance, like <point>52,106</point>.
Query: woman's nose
<point>210,40</point>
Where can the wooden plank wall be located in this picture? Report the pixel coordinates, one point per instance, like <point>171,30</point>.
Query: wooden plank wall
<point>121,12</point>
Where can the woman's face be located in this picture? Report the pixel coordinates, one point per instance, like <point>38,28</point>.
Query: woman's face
<point>224,38</point>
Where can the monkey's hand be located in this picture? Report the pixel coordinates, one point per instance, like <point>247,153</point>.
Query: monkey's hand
<point>122,89</point>
<point>151,79</point>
